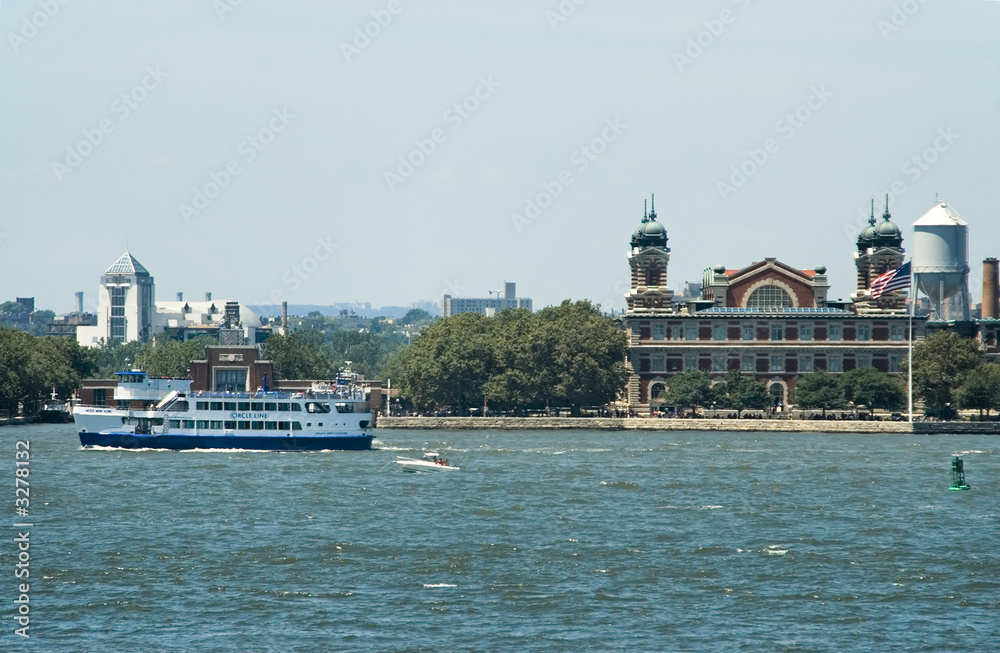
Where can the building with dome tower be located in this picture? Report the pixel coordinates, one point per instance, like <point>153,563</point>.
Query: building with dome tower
<point>880,249</point>
<point>768,320</point>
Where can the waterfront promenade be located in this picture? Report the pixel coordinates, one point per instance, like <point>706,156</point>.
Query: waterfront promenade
<point>660,424</point>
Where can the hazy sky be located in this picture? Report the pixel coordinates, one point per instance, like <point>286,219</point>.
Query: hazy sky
<point>256,149</point>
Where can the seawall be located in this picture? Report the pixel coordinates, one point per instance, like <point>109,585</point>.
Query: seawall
<point>653,424</point>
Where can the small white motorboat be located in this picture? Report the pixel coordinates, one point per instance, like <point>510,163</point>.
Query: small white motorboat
<point>431,462</point>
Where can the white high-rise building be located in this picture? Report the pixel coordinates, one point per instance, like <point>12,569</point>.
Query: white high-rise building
<point>126,303</point>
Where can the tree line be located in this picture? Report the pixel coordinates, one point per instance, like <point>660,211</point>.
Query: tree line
<point>567,356</point>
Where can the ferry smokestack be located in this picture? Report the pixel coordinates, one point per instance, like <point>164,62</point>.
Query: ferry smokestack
<point>284,315</point>
<point>991,289</point>
<point>79,301</point>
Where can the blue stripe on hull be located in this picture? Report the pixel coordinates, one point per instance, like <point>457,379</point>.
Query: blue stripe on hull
<point>258,442</point>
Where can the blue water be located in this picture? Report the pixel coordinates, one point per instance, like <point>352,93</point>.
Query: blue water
<point>544,541</point>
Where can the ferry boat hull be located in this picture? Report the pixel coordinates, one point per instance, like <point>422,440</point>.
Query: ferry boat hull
<point>252,442</point>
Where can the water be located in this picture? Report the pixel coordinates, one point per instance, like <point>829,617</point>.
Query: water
<point>545,541</point>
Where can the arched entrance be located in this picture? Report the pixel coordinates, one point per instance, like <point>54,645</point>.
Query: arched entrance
<point>777,395</point>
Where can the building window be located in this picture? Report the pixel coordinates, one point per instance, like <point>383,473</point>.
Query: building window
<point>100,396</point>
<point>718,332</point>
<point>834,364</point>
<point>806,363</point>
<point>748,363</point>
<point>836,331</point>
<point>777,362</point>
<point>805,332</point>
<point>718,362</point>
<point>658,332</point>
<point>658,364</point>
<point>690,362</point>
<point>894,365</point>
<point>896,332</point>
<point>864,332</point>
<point>777,332</point>
<point>690,332</point>
<point>769,298</point>
<point>231,381</point>
<point>864,360</point>
<point>747,331</point>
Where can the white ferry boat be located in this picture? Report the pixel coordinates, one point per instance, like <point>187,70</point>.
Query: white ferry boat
<point>174,417</point>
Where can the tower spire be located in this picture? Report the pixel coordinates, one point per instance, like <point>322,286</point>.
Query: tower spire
<point>886,215</point>
<point>645,211</point>
<point>652,208</point>
<point>871,220</point>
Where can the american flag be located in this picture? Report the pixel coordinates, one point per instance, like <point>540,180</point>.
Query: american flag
<point>898,279</point>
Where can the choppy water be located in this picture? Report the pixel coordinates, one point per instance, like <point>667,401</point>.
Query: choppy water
<point>547,541</point>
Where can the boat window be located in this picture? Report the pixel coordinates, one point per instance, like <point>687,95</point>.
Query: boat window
<point>283,407</point>
<point>157,421</point>
<point>345,408</point>
<point>257,406</point>
<point>257,426</point>
<point>243,426</point>
<point>284,426</point>
<point>174,423</point>
<point>270,406</point>
<point>296,408</point>
<point>229,405</point>
<point>201,405</point>
<point>216,405</point>
<point>202,424</point>
<point>296,426</point>
<point>244,405</point>
<point>230,426</point>
<point>317,407</point>
<point>216,424</point>
<point>270,426</point>
<point>180,406</point>
<point>188,424</point>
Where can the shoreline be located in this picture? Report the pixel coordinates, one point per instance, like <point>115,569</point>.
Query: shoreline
<point>661,424</point>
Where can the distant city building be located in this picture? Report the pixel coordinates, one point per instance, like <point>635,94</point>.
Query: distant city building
<point>484,305</point>
<point>768,320</point>
<point>127,311</point>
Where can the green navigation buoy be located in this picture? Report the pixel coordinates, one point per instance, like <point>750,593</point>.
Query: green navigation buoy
<point>958,475</point>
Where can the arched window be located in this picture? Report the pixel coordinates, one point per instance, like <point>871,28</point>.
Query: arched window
<point>652,276</point>
<point>657,392</point>
<point>769,298</point>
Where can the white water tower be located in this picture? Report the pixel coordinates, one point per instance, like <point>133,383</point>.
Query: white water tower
<point>941,262</point>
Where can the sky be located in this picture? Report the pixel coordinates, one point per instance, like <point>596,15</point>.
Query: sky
<point>392,151</point>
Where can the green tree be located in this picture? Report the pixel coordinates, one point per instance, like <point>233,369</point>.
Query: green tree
<point>741,393</point>
<point>368,352</point>
<point>31,367</point>
<point>868,387</point>
<point>171,358</point>
<point>111,356</point>
<point>819,389</point>
<point>691,388</point>
<point>981,389</point>
<point>299,355</point>
<point>940,365</point>
<point>416,316</point>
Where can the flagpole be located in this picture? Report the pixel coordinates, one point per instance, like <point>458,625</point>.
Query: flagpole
<point>909,366</point>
